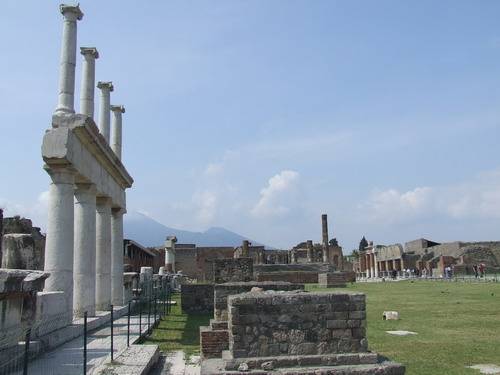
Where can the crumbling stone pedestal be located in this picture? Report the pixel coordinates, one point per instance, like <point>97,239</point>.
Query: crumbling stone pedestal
<point>291,333</point>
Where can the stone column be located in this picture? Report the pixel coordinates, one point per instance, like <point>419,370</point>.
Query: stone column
<point>90,54</point>
<point>104,109</point>
<point>66,100</point>
<point>103,254</point>
<point>117,256</point>
<point>244,249</point>
<point>116,143</point>
<point>170,253</point>
<point>324,230</point>
<point>84,261</point>
<point>372,264</point>
<point>375,262</point>
<point>309,251</point>
<point>60,226</point>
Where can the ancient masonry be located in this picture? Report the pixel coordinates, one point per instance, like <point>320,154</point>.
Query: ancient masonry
<point>287,333</point>
<point>83,251</point>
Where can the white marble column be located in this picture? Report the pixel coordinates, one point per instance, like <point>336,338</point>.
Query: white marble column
<point>66,100</point>
<point>90,54</point>
<point>85,244</point>
<point>103,254</point>
<point>117,256</point>
<point>59,241</point>
<point>104,114</point>
<point>116,143</point>
<point>375,262</point>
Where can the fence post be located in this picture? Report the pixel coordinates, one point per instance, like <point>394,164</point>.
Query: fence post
<point>140,317</point>
<point>85,343</point>
<point>128,325</point>
<point>149,312</point>
<point>111,333</point>
<point>26,351</point>
<point>154,319</point>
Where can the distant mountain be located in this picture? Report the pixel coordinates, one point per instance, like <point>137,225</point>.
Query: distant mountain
<point>149,232</point>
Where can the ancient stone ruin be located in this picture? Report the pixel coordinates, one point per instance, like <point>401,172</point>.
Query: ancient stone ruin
<point>276,332</point>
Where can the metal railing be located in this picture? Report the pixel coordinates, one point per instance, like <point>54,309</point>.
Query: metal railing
<point>20,346</point>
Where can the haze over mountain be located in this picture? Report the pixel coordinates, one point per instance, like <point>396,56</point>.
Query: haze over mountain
<point>149,232</point>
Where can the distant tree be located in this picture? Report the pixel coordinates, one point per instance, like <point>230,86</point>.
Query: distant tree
<point>362,244</point>
<point>355,254</point>
<point>333,242</point>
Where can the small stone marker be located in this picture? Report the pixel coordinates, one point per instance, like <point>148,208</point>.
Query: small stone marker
<point>401,333</point>
<point>486,368</point>
<point>243,367</point>
<point>390,315</point>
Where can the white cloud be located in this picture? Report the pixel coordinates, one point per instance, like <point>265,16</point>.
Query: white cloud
<point>206,206</point>
<point>213,169</point>
<point>477,198</point>
<point>36,211</point>
<point>277,198</point>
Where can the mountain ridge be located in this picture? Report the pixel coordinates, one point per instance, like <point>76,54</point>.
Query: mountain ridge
<point>150,232</point>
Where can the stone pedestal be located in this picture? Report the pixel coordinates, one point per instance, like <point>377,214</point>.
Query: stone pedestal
<point>332,280</point>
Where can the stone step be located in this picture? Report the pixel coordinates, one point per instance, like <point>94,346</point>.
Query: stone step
<point>305,360</point>
<point>135,360</point>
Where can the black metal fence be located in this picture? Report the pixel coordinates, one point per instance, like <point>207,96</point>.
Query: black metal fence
<point>22,348</point>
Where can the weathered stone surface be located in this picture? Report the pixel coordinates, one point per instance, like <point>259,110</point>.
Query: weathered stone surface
<point>197,298</point>
<point>232,270</point>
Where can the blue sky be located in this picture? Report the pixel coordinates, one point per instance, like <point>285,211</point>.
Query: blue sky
<point>258,116</point>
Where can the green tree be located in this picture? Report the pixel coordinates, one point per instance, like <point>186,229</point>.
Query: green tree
<point>362,244</point>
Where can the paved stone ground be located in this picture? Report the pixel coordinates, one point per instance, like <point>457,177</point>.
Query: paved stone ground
<point>67,359</point>
<point>173,363</point>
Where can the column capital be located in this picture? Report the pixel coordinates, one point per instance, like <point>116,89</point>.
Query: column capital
<point>104,202</point>
<point>118,211</point>
<point>89,51</point>
<point>61,174</point>
<point>105,85</point>
<point>85,187</point>
<point>117,108</point>
<point>71,12</point>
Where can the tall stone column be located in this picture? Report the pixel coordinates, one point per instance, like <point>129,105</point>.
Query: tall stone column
<point>66,99</point>
<point>324,230</point>
<point>309,251</point>
<point>85,244</point>
<point>117,256</point>
<point>372,264</point>
<point>368,266</point>
<point>116,142</point>
<point>90,54</point>
<point>104,114</point>
<point>103,254</point>
<point>375,265</point>
<point>60,226</point>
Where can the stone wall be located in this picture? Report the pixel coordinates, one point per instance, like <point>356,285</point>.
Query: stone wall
<point>296,323</point>
<point>232,270</point>
<point>205,257</point>
<point>223,291</point>
<point>185,261</point>
<point>197,298</point>
<point>300,277</point>
<point>23,246</point>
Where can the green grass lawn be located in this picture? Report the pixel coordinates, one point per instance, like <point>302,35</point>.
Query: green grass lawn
<point>458,324</point>
<point>179,331</point>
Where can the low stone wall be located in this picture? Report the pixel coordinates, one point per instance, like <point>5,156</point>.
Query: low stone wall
<point>197,298</point>
<point>233,270</point>
<point>297,277</point>
<point>296,323</point>
<point>223,291</point>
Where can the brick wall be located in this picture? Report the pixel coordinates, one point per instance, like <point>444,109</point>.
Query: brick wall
<point>197,298</point>
<point>300,277</point>
<point>278,324</point>
<point>185,261</point>
<point>232,270</point>
<point>213,342</point>
<point>205,260</point>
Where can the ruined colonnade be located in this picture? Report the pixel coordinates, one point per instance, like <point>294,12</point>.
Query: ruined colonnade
<point>84,247</point>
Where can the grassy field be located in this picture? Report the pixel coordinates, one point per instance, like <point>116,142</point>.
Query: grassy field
<point>179,331</point>
<point>458,324</point>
